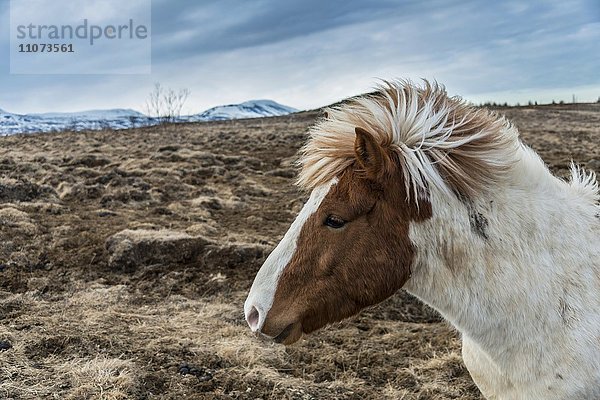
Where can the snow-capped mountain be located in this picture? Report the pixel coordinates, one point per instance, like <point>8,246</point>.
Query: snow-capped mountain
<point>114,113</point>
<point>248,109</point>
<point>126,118</point>
<point>78,121</point>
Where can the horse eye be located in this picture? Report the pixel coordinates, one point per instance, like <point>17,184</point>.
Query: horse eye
<point>333,221</point>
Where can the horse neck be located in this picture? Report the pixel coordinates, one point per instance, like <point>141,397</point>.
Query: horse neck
<point>513,268</point>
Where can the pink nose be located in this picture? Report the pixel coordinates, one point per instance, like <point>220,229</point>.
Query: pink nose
<point>253,319</point>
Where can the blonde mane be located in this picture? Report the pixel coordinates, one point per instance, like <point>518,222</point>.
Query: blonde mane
<point>439,140</point>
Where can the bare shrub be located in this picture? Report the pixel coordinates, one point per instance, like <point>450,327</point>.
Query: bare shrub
<point>166,103</point>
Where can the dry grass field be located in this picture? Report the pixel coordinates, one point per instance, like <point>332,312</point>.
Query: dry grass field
<point>125,258</point>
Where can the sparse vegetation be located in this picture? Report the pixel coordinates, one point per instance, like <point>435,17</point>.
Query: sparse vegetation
<point>134,120</point>
<point>166,103</point>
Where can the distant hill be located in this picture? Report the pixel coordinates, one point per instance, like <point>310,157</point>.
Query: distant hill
<point>96,114</point>
<point>78,121</point>
<point>127,118</point>
<point>248,109</point>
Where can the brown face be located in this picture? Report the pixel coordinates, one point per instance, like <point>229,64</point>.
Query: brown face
<point>353,251</point>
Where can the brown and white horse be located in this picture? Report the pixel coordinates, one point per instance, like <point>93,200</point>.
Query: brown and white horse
<point>413,189</point>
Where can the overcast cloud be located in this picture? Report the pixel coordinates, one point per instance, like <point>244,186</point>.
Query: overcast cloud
<point>310,53</point>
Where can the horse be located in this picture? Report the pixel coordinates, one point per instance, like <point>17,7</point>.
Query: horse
<point>410,188</point>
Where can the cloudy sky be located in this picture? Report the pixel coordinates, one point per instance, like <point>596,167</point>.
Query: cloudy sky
<point>311,53</point>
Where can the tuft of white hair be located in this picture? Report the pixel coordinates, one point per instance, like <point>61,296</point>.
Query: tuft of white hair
<point>585,184</point>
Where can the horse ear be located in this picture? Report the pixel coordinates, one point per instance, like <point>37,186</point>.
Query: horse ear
<point>369,153</point>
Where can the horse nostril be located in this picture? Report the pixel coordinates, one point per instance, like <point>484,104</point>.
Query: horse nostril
<point>252,318</point>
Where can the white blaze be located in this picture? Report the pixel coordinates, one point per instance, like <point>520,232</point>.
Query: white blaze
<point>265,283</point>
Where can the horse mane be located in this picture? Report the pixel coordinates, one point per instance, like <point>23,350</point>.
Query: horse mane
<point>439,140</point>
<point>585,185</point>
